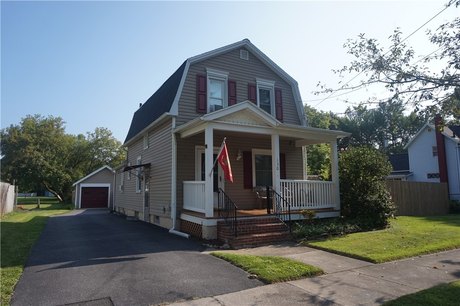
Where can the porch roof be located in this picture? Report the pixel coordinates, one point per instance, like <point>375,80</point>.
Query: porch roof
<point>245,117</point>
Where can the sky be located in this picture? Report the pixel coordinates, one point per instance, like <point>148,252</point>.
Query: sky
<point>92,63</point>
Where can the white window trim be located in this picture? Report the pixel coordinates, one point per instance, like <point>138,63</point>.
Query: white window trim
<point>129,172</point>
<point>138,172</point>
<point>216,75</point>
<point>145,141</point>
<point>121,187</point>
<point>254,153</point>
<point>270,85</point>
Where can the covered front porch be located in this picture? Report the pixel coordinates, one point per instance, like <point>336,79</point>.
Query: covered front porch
<point>263,152</point>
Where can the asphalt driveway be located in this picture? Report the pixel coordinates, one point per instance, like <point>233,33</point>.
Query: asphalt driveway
<point>96,256</point>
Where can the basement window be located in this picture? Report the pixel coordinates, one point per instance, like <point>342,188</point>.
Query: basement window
<point>432,175</point>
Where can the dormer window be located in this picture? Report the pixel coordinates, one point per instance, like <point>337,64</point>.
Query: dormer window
<point>217,89</point>
<point>266,95</point>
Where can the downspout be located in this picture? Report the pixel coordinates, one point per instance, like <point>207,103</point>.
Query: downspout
<point>174,182</point>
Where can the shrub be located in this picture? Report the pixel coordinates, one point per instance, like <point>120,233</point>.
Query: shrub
<point>363,191</point>
<point>318,228</point>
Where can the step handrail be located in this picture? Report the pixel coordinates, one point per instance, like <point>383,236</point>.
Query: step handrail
<point>228,210</point>
<point>282,207</point>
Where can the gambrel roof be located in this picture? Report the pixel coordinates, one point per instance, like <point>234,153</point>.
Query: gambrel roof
<point>165,101</point>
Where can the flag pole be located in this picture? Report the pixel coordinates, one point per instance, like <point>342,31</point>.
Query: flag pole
<point>215,160</point>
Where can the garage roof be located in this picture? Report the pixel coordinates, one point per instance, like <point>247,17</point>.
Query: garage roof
<point>93,173</point>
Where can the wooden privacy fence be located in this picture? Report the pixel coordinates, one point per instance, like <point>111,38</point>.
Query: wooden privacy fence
<point>7,198</point>
<point>419,198</point>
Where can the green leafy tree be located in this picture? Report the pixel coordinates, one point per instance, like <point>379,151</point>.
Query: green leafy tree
<point>318,155</point>
<point>38,154</point>
<point>363,193</point>
<point>405,75</point>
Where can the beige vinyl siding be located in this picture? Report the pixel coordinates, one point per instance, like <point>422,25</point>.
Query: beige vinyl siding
<point>241,71</point>
<point>243,198</point>
<point>159,155</point>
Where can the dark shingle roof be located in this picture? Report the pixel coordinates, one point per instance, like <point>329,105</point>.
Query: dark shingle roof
<point>455,129</point>
<point>158,104</point>
<point>400,162</point>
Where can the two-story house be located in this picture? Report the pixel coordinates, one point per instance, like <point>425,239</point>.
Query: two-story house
<point>234,92</point>
<point>434,156</point>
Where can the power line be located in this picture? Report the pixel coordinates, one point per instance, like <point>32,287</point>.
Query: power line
<point>406,38</point>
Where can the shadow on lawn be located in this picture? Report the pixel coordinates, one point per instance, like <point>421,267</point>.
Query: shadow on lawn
<point>451,219</point>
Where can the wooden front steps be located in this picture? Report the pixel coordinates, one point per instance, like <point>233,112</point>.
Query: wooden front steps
<point>253,232</point>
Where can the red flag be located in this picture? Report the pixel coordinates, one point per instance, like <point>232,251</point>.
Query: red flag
<point>224,162</point>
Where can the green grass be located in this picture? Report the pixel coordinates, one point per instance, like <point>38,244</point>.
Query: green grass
<point>406,237</point>
<point>445,295</point>
<point>19,231</point>
<point>270,269</point>
<point>33,200</point>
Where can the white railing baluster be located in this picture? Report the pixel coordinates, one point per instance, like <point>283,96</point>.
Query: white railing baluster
<point>304,194</point>
<point>194,196</point>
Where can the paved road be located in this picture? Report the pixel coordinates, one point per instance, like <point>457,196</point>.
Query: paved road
<point>92,255</point>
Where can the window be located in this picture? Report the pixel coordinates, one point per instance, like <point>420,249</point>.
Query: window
<point>217,89</point>
<point>121,187</point>
<point>146,141</point>
<point>435,151</point>
<point>266,96</point>
<point>432,175</point>
<point>138,176</point>
<point>262,168</point>
<point>129,172</point>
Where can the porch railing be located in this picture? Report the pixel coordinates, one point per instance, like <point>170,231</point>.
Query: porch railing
<point>228,210</point>
<point>194,196</point>
<point>304,194</point>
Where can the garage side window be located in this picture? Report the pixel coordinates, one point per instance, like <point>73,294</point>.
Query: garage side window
<point>138,176</point>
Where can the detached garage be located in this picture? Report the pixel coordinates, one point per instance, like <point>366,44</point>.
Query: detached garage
<point>95,189</point>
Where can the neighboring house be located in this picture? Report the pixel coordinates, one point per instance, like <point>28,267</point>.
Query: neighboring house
<point>95,190</point>
<point>234,92</point>
<point>434,156</point>
<point>400,167</point>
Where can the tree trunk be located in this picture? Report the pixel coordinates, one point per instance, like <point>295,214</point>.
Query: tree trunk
<point>55,193</point>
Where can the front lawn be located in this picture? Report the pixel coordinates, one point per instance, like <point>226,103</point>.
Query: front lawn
<point>19,231</point>
<point>270,269</point>
<point>406,237</point>
<point>445,295</point>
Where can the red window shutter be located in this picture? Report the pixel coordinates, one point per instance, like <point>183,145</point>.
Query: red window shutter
<point>282,166</point>
<point>247,169</point>
<point>231,92</point>
<point>279,104</point>
<point>252,93</point>
<point>201,92</point>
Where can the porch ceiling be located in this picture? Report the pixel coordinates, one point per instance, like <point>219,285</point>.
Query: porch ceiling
<point>244,117</point>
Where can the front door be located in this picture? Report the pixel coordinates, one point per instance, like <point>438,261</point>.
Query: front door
<point>218,174</point>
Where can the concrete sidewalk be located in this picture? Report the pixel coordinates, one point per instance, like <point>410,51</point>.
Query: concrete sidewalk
<point>347,282</point>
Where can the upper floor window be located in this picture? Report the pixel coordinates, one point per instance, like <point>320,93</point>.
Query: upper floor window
<point>435,150</point>
<point>217,89</point>
<point>266,96</point>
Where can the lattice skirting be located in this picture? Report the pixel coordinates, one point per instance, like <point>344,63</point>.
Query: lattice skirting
<point>191,228</point>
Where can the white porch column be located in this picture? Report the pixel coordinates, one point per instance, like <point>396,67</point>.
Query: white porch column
<point>335,173</point>
<point>208,160</point>
<point>276,162</point>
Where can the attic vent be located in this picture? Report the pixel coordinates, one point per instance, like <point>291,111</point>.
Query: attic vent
<point>244,54</point>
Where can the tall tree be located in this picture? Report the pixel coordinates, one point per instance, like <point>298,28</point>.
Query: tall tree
<point>406,76</point>
<point>38,154</point>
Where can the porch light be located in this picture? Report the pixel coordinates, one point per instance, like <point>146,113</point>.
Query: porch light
<point>239,156</point>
